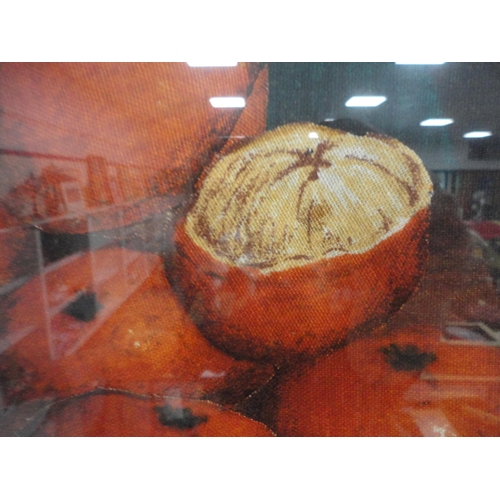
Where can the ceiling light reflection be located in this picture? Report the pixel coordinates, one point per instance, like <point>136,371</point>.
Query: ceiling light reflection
<point>365,101</point>
<point>227,102</point>
<point>436,122</point>
<point>477,134</point>
<point>313,135</point>
<point>420,63</point>
<point>212,64</point>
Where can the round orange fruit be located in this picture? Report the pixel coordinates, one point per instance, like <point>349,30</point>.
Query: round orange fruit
<point>119,415</point>
<point>409,383</point>
<point>301,236</point>
<point>121,328</point>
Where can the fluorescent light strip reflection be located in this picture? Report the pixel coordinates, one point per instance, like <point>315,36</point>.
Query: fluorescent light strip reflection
<point>477,134</point>
<point>420,63</point>
<point>363,101</point>
<point>212,64</point>
<point>436,122</point>
<point>227,102</point>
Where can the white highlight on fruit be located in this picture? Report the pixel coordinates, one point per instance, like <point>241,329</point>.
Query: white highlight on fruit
<point>211,374</point>
<point>331,180</point>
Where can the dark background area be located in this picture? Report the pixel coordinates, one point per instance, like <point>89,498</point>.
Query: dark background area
<point>468,93</point>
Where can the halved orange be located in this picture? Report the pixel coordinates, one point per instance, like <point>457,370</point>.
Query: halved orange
<point>300,237</point>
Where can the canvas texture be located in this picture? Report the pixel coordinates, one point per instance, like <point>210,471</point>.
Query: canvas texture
<point>173,269</point>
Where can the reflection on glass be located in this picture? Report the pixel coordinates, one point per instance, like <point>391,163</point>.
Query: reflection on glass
<point>100,165</point>
<point>436,122</point>
<point>477,134</point>
<point>365,101</point>
<point>206,64</point>
<point>420,63</point>
<point>227,102</point>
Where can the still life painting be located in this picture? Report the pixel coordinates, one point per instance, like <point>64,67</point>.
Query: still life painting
<point>249,249</point>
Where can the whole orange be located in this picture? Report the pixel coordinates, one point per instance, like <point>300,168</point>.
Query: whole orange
<point>409,383</point>
<point>133,336</point>
<point>108,415</point>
